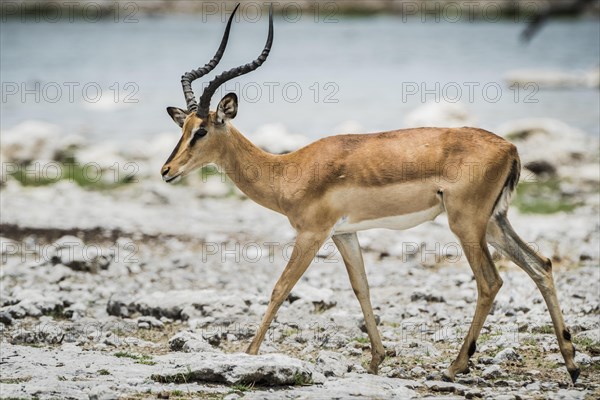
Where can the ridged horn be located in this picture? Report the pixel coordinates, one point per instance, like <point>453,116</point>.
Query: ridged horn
<point>210,90</point>
<point>189,77</point>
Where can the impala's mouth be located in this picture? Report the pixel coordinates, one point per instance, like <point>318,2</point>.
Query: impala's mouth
<point>173,179</point>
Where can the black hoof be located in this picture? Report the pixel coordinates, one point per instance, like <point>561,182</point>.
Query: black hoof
<point>575,374</point>
<point>447,378</point>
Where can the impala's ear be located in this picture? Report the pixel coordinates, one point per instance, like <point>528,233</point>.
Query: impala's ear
<point>178,115</point>
<point>227,108</point>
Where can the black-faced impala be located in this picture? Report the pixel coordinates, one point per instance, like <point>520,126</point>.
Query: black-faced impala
<point>348,183</point>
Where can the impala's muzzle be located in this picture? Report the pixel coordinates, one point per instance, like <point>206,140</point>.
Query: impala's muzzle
<point>169,176</point>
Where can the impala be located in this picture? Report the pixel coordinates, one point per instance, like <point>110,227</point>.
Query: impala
<point>348,183</point>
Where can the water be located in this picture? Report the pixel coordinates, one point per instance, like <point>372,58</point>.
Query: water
<point>355,69</point>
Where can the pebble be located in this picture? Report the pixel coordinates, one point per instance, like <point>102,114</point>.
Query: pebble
<point>508,354</point>
<point>332,363</point>
<point>493,371</point>
<point>446,387</point>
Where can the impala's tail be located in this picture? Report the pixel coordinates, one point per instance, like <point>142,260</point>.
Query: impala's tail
<point>503,200</point>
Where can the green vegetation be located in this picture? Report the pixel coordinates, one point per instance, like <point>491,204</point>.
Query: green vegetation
<point>173,394</point>
<point>103,371</point>
<point>289,332</point>
<point>302,380</point>
<point>188,376</point>
<point>36,345</point>
<point>241,387</point>
<point>19,398</point>
<point>543,198</point>
<point>208,171</point>
<point>545,329</point>
<point>183,377</point>
<point>14,381</point>
<point>484,337</point>
<point>587,345</point>
<point>363,340</point>
<point>139,359</point>
<point>85,175</point>
<point>58,313</point>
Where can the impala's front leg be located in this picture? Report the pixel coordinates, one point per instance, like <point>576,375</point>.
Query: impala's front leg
<point>306,247</point>
<point>350,249</point>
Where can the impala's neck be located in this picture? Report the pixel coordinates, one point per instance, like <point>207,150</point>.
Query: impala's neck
<point>251,169</point>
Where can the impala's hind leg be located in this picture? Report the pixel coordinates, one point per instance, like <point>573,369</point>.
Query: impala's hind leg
<point>470,229</point>
<point>502,236</point>
<point>350,250</point>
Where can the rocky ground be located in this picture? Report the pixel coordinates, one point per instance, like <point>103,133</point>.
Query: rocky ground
<point>130,288</point>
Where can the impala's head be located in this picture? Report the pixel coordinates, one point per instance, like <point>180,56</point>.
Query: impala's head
<point>202,138</point>
<point>203,131</point>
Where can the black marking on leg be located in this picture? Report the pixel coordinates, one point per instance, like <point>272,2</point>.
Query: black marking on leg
<point>574,374</point>
<point>548,266</point>
<point>472,348</point>
<point>567,335</point>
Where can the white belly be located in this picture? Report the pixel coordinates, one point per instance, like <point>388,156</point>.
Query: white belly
<point>397,222</point>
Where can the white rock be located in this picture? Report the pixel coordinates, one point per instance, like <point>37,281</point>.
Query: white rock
<point>157,147</point>
<point>73,253</point>
<point>593,334</point>
<point>276,139</point>
<point>548,139</point>
<point>190,342</point>
<point>493,371</point>
<point>552,79</point>
<point>448,387</point>
<point>352,386</point>
<point>214,187</point>
<point>443,114</point>
<point>582,358</point>
<point>349,127</point>
<point>566,394</point>
<point>102,392</point>
<point>106,104</point>
<point>321,298</point>
<point>34,303</point>
<point>9,247</point>
<point>265,369</point>
<point>177,304</point>
<point>67,241</point>
<point>508,354</point>
<point>101,156</point>
<point>332,363</point>
<point>30,140</point>
<point>153,322</point>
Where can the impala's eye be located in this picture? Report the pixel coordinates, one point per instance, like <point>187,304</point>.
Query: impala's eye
<point>199,134</point>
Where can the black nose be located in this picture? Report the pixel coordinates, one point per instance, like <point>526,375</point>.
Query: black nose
<point>165,171</point>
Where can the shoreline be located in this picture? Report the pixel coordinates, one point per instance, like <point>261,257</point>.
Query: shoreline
<point>471,10</point>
